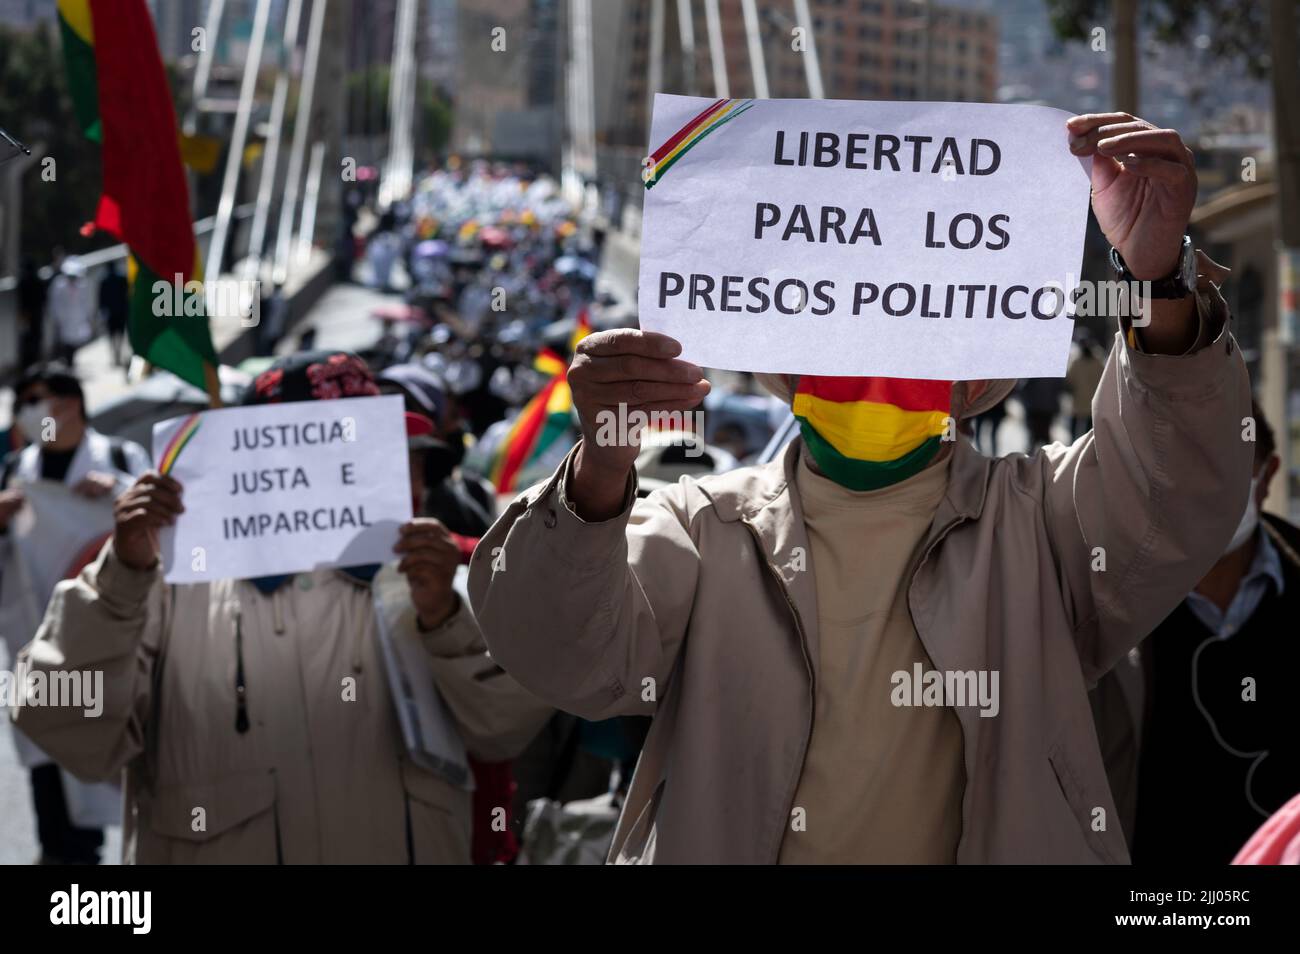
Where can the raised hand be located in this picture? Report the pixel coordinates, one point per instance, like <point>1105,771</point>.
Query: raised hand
<point>618,372</point>
<point>429,561</point>
<point>1143,187</point>
<point>152,502</point>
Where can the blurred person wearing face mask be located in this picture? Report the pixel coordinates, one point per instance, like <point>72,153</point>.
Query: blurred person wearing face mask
<point>876,649</point>
<point>50,413</point>
<point>233,694</point>
<point>1198,724</point>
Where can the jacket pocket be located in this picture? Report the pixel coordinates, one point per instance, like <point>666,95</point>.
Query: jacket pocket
<point>438,818</point>
<point>1081,807</point>
<point>230,820</point>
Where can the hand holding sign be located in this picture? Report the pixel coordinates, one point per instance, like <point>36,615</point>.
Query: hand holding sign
<point>1143,187</point>
<point>152,502</point>
<point>96,484</point>
<point>918,240</point>
<point>429,561</point>
<point>639,371</point>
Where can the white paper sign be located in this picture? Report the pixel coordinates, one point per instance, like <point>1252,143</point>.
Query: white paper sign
<point>283,488</point>
<point>55,530</point>
<point>914,240</point>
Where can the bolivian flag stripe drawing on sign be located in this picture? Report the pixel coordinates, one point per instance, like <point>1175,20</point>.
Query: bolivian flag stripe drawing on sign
<point>122,101</point>
<point>689,136</point>
<point>177,443</point>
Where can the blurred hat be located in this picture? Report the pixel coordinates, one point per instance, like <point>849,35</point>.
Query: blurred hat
<point>417,425</point>
<point>312,376</point>
<point>421,386</point>
<point>419,432</point>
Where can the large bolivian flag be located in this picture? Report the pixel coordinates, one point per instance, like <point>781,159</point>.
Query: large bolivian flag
<point>120,95</point>
<point>868,433</point>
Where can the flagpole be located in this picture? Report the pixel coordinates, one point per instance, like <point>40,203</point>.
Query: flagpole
<point>212,384</point>
<point>235,151</point>
<point>754,37</point>
<point>717,53</point>
<point>271,158</point>
<point>812,66</point>
<point>203,71</point>
<point>297,151</point>
<point>686,28</point>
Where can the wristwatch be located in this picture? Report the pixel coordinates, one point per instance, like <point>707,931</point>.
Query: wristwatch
<point>1179,283</point>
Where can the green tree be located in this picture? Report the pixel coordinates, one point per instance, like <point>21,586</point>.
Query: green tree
<point>1237,30</point>
<point>367,109</point>
<point>36,108</point>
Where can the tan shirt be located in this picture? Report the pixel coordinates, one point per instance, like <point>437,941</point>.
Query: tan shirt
<point>881,784</point>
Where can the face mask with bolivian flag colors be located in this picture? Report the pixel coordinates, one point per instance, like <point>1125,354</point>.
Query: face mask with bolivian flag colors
<point>868,433</point>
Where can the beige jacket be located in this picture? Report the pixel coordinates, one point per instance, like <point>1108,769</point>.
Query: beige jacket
<point>695,605</point>
<point>318,777</point>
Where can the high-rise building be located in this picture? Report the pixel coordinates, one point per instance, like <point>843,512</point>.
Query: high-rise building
<point>175,22</point>
<point>370,41</point>
<point>867,49</point>
<point>509,79</point>
<point>440,41</point>
<point>25,14</point>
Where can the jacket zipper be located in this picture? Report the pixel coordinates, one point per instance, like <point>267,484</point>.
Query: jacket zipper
<point>241,690</point>
<point>807,661</point>
<point>965,741</point>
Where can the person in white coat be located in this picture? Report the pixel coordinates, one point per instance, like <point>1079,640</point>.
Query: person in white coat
<point>70,308</point>
<point>77,472</point>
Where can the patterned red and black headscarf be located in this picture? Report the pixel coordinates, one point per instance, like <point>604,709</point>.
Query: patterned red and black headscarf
<point>312,376</point>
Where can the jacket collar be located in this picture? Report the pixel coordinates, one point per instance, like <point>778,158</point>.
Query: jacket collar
<point>361,574</point>
<point>94,452</point>
<point>747,493</point>
<point>968,484</point>
<point>761,498</point>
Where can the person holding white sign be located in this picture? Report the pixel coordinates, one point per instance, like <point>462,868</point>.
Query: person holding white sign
<point>256,718</point>
<point>58,490</point>
<point>877,648</point>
